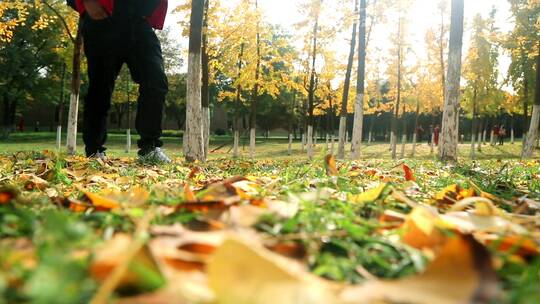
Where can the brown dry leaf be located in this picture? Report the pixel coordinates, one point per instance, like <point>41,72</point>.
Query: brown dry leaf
<point>246,273</point>
<point>330,165</point>
<point>461,273</point>
<point>32,182</point>
<point>290,249</point>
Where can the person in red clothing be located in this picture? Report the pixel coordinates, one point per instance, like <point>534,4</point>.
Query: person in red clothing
<point>496,134</point>
<point>436,132</point>
<point>118,32</point>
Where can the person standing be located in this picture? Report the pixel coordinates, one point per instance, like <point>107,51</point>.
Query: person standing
<point>502,135</point>
<point>436,132</point>
<point>117,32</point>
<point>495,131</point>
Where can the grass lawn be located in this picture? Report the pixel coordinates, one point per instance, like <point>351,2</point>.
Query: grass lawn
<point>74,230</point>
<point>274,147</point>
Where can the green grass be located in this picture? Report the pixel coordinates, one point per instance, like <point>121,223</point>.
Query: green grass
<point>274,147</point>
<point>39,240</point>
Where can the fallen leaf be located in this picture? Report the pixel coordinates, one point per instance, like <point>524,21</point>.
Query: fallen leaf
<point>143,272</point>
<point>461,273</point>
<point>242,273</point>
<point>409,176</point>
<point>101,202</point>
<point>330,165</point>
<point>370,195</point>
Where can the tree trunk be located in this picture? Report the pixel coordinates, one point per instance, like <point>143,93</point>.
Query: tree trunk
<point>415,133</point>
<point>450,122</point>
<point>74,99</point>
<point>358,123</point>
<point>205,91</point>
<point>528,148</point>
<point>236,123</point>
<point>404,134</point>
<point>128,129</point>
<point>193,137</point>
<point>311,91</point>
<point>61,110</point>
<point>255,98</point>
<point>393,136</point>
<point>346,86</point>
<point>474,125</point>
<point>512,134</point>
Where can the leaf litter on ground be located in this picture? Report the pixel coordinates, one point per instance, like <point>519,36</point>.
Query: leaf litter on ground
<point>239,231</point>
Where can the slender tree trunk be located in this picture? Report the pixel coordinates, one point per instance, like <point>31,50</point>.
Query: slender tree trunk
<point>474,125</point>
<point>450,122</point>
<point>236,123</point>
<point>194,137</point>
<point>128,129</point>
<point>415,133</point>
<point>346,86</point>
<point>358,123</point>
<point>393,135</point>
<point>512,134</point>
<point>74,99</point>
<point>311,91</point>
<point>404,135</point>
<point>528,148</point>
<point>61,110</point>
<point>525,106</point>
<point>255,98</point>
<point>205,88</point>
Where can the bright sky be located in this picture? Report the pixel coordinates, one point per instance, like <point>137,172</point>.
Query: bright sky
<point>423,15</point>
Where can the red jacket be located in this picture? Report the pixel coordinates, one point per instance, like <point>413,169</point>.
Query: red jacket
<point>157,20</point>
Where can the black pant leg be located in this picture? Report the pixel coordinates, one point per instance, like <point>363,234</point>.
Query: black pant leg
<point>104,63</point>
<point>145,62</point>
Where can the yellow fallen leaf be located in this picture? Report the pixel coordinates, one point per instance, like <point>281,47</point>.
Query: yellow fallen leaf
<point>246,273</point>
<point>420,229</point>
<point>101,201</point>
<point>370,195</point>
<point>461,273</point>
<point>330,165</point>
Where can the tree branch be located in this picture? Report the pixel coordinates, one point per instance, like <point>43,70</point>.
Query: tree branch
<point>62,19</point>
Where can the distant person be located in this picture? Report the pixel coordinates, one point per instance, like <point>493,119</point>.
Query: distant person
<point>419,133</point>
<point>502,135</point>
<point>430,135</point>
<point>36,126</point>
<point>21,124</point>
<point>436,132</point>
<point>495,131</point>
<point>117,32</point>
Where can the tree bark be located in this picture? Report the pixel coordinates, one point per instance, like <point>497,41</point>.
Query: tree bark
<point>255,98</point>
<point>346,86</point>
<point>61,110</point>
<point>393,135</point>
<point>450,122</point>
<point>193,137</point>
<point>236,123</point>
<point>311,91</point>
<point>474,125</point>
<point>530,142</point>
<point>358,123</point>
<point>205,88</point>
<point>74,99</point>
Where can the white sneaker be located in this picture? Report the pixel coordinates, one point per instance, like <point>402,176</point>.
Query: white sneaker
<point>155,156</point>
<point>99,156</point>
